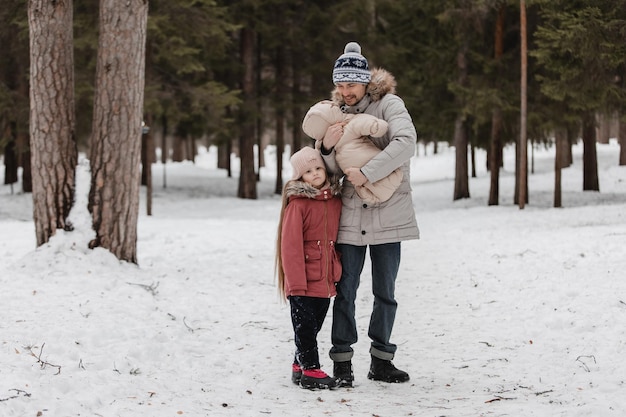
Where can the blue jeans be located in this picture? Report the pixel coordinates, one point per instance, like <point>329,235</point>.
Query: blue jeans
<point>385,260</point>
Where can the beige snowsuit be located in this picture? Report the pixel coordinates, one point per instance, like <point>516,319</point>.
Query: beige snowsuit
<point>354,149</point>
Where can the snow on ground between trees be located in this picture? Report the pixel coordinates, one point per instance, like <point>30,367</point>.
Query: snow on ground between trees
<point>502,311</point>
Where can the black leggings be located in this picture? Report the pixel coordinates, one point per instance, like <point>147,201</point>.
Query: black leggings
<point>307,317</point>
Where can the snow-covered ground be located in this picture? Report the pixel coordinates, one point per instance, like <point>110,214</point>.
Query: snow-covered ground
<point>502,311</point>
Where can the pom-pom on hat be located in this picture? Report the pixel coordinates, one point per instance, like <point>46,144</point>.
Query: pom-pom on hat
<point>351,67</point>
<point>303,160</point>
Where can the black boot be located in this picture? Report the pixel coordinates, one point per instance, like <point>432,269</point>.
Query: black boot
<point>342,371</point>
<point>382,370</point>
<point>316,379</point>
<point>296,373</point>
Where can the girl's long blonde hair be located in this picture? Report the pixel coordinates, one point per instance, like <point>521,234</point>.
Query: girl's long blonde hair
<point>278,261</point>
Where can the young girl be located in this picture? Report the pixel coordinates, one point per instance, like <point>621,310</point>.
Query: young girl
<point>306,262</point>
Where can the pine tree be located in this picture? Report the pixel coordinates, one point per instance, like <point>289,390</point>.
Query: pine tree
<point>52,119</point>
<point>118,113</point>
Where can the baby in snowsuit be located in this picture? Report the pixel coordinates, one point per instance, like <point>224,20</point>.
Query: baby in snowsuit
<point>354,149</point>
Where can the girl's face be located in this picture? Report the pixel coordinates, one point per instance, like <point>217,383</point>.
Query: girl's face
<point>315,176</point>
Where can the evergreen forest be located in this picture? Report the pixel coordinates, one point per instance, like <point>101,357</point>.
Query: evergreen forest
<point>478,74</point>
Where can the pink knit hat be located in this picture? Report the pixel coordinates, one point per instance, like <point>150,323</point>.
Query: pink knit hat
<point>303,160</point>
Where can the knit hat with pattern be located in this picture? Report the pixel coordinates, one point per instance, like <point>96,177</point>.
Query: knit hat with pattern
<point>303,160</point>
<point>351,67</point>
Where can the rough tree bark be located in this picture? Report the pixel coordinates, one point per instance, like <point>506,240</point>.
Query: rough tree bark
<point>52,119</point>
<point>116,135</point>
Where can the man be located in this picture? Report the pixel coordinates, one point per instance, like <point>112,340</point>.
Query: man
<point>381,227</point>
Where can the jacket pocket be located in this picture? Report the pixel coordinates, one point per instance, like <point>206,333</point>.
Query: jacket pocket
<point>313,261</point>
<point>396,212</point>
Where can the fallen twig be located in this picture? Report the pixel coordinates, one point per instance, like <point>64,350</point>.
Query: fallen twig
<point>191,330</point>
<point>41,362</point>
<point>152,288</point>
<point>499,398</point>
<point>18,392</point>
<point>584,365</point>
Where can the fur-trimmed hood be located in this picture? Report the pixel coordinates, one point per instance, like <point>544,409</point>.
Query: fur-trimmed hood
<point>298,188</point>
<point>383,82</point>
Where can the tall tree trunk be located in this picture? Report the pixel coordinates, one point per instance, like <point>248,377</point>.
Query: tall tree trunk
<point>192,149</point>
<point>178,148</point>
<point>495,148</point>
<point>259,110</point>
<point>461,180</point>
<point>247,176</point>
<point>568,157</point>
<point>560,136</point>
<point>225,148</point>
<point>495,157</point>
<point>532,156</point>
<point>165,150</point>
<point>27,178</point>
<point>603,131</point>
<point>52,119</point>
<point>11,160</point>
<point>590,157</point>
<point>473,158</point>
<point>296,109</point>
<point>116,138</point>
<point>622,142</point>
<point>147,158</point>
<point>281,98</point>
<point>523,139</point>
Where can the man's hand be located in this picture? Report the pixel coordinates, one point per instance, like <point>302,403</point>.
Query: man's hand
<point>333,134</point>
<point>355,176</point>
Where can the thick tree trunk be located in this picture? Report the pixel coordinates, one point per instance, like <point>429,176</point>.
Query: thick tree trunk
<point>52,119</point>
<point>116,137</point>
<point>590,157</point>
<point>247,176</point>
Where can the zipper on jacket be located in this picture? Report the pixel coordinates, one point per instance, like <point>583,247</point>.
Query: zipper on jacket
<point>326,251</point>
